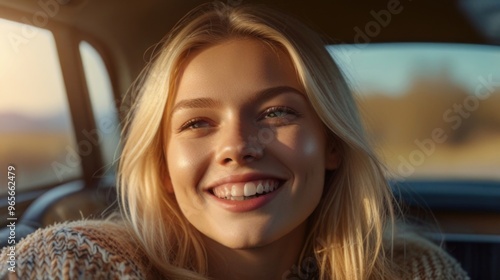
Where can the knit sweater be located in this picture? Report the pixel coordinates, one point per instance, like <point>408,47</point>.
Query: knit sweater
<point>104,250</point>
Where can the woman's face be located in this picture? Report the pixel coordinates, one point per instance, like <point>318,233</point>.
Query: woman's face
<point>246,153</point>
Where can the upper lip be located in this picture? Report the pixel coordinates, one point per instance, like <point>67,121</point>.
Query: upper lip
<point>239,178</point>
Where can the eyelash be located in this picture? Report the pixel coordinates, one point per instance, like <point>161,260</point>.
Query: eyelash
<point>189,124</point>
<point>288,111</point>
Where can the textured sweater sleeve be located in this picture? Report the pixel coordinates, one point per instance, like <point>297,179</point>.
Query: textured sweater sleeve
<point>420,259</point>
<point>76,250</point>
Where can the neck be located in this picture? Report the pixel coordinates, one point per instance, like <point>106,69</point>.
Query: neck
<point>270,261</point>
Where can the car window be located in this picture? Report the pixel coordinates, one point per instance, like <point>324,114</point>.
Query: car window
<point>433,109</point>
<point>107,132</point>
<point>36,132</point>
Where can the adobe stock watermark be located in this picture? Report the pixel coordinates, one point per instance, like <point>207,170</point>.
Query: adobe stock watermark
<point>234,2</point>
<point>308,269</point>
<point>48,9</point>
<point>257,144</point>
<point>364,34</point>
<point>84,147</point>
<point>453,116</point>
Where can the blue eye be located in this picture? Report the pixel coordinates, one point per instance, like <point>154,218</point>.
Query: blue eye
<point>279,112</point>
<point>279,116</point>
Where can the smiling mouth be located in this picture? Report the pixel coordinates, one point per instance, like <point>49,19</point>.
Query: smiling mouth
<point>247,190</point>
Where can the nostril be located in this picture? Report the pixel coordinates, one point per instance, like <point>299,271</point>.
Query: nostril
<point>242,154</point>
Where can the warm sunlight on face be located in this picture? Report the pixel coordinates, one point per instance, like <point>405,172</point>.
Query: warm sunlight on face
<point>246,152</point>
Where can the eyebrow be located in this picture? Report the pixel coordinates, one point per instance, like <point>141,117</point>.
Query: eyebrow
<point>274,91</point>
<point>196,103</point>
<point>206,102</point>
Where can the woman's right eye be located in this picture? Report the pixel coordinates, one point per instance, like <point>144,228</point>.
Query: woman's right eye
<point>193,124</point>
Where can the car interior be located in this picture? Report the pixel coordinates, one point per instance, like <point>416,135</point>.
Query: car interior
<point>426,75</point>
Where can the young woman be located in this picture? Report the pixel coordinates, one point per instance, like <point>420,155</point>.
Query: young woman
<point>245,158</point>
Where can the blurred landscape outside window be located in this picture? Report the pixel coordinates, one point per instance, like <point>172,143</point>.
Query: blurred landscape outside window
<point>431,110</point>
<point>36,130</point>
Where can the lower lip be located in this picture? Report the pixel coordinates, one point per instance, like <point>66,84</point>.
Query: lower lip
<point>247,205</point>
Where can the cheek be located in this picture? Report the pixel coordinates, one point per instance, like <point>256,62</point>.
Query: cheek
<point>180,158</point>
<point>311,146</point>
<point>304,156</point>
<point>304,144</point>
<point>185,167</point>
<point>185,162</point>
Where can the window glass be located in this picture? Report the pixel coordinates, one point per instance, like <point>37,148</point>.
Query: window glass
<point>433,109</point>
<point>36,133</point>
<point>107,134</point>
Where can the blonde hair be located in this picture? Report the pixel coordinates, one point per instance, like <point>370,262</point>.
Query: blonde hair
<point>346,235</point>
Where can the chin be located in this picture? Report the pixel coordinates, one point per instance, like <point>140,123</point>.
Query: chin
<point>244,239</point>
<point>245,244</point>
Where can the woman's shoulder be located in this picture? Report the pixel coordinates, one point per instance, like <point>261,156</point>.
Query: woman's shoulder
<point>96,249</point>
<point>420,258</point>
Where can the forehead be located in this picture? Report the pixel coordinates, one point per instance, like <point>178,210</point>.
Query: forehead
<point>235,66</point>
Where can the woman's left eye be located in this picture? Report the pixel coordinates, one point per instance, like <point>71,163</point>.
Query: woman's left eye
<point>280,112</point>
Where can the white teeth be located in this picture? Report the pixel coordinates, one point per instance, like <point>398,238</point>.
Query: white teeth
<point>266,186</point>
<point>217,193</point>
<point>235,191</point>
<point>249,189</point>
<point>260,188</point>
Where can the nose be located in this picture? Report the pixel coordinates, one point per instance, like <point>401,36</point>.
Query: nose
<point>238,145</point>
